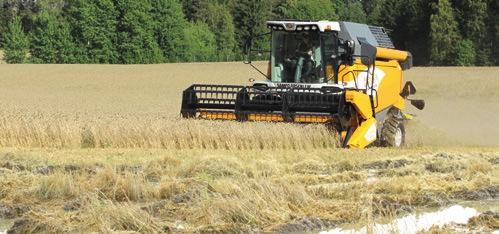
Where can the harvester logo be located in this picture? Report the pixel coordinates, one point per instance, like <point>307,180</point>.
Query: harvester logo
<point>291,85</point>
<point>365,80</point>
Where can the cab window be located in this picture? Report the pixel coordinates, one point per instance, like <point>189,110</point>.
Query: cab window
<point>297,57</point>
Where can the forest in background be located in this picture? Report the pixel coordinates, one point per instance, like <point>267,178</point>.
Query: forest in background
<point>436,32</point>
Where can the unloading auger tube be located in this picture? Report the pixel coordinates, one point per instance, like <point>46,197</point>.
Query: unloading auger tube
<point>346,75</point>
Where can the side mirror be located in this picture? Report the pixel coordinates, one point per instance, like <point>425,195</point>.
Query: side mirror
<point>248,44</point>
<point>350,45</point>
<point>349,51</point>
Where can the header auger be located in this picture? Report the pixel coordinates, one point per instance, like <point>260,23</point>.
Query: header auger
<point>343,74</point>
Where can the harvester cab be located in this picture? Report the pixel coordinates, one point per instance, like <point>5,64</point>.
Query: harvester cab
<point>343,74</point>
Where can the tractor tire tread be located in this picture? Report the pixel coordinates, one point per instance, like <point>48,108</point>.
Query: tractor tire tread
<point>389,129</point>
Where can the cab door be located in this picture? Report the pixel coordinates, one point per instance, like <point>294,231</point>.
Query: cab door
<point>329,41</point>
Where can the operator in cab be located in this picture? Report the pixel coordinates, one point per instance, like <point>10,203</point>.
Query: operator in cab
<point>306,62</point>
<point>302,60</point>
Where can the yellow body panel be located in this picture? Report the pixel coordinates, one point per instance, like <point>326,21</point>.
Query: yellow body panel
<point>400,104</point>
<point>391,54</point>
<point>388,82</point>
<point>364,135</point>
<point>361,102</point>
<point>390,86</point>
<point>348,74</point>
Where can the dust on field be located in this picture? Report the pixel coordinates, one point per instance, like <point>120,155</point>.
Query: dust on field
<point>461,103</point>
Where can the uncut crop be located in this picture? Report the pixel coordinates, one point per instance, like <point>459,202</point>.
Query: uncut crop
<point>148,132</point>
<point>99,106</point>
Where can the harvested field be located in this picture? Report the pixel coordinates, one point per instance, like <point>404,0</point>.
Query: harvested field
<point>147,190</point>
<point>101,148</point>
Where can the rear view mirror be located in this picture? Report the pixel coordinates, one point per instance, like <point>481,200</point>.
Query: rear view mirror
<point>249,52</point>
<point>350,44</point>
<point>349,47</point>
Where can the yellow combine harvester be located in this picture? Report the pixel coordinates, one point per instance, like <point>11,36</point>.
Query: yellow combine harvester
<point>343,74</point>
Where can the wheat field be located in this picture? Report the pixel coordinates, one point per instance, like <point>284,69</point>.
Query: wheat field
<point>101,148</point>
<point>135,106</point>
<point>74,106</point>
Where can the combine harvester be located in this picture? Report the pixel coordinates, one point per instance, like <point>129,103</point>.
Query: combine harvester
<point>345,75</point>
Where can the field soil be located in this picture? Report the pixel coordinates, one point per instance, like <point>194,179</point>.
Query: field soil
<point>101,148</point>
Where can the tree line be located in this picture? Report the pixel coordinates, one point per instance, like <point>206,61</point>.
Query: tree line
<point>437,32</point>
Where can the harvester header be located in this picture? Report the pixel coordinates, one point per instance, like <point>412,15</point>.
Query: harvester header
<point>346,75</point>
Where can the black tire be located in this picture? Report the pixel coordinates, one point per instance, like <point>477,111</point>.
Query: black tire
<point>393,131</point>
